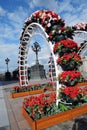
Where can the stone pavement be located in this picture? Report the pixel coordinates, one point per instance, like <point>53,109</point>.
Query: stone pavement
<point>4,121</point>
<point>18,122</point>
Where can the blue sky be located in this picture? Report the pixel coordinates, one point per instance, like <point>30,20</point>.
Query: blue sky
<point>13,13</point>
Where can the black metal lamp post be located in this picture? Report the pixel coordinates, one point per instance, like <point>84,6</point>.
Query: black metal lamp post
<point>7,60</point>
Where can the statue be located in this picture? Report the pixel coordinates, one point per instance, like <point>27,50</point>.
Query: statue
<point>36,48</point>
<point>37,71</point>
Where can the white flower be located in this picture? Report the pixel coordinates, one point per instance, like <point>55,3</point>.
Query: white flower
<point>49,25</point>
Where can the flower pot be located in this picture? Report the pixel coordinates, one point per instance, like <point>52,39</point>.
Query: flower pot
<point>69,83</point>
<point>68,67</point>
<point>21,94</point>
<point>54,119</point>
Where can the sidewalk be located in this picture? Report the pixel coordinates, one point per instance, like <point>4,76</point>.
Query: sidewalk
<point>18,122</point>
<point>4,121</point>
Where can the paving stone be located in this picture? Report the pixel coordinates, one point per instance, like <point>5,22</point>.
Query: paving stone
<point>23,125</point>
<point>1,93</point>
<point>4,121</point>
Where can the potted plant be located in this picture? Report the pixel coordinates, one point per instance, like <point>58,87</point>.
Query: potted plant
<point>17,91</point>
<point>65,47</point>
<point>70,78</point>
<point>73,96</point>
<point>70,61</point>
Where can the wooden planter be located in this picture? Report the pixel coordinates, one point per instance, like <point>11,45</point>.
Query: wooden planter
<point>46,122</point>
<point>49,89</point>
<point>21,94</point>
<point>81,84</point>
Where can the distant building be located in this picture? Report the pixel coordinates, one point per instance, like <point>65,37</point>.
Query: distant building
<point>15,74</point>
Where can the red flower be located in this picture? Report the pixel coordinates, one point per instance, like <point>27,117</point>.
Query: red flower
<point>36,104</point>
<point>72,58</point>
<point>72,92</point>
<point>70,77</point>
<point>68,44</point>
<point>66,91</point>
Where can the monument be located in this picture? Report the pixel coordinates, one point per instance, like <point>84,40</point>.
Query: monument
<point>37,71</point>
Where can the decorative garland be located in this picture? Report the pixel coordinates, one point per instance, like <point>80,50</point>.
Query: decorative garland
<point>80,26</point>
<point>53,25</point>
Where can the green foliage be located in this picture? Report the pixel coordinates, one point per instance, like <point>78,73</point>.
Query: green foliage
<point>63,107</point>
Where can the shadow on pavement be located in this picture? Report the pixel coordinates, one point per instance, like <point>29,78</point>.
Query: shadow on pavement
<point>9,82</point>
<point>80,124</point>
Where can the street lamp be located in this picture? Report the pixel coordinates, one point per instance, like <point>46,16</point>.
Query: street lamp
<point>7,60</point>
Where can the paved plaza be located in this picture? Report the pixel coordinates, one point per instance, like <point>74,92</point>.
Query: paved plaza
<point>14,120</point>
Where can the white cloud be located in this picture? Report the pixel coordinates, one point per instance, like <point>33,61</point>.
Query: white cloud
<point>10,51</point>
<point>12,25</point>
<point>73,12</point>
<point>47,4</point>
<point>2,11</point>
<point>10,29</point>
<point>65,6</point>
<point>18,16</point>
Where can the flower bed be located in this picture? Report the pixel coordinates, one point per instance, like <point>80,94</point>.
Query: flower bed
<point>40,106</point>
<point>21,94</point>
<point>41,112</point>
<point>54,119</point>
<point>18,91</point>
<point>45,104</point>
<point>51,86</point>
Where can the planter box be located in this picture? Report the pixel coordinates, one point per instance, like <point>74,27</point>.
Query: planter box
<point>81,84</point>
<point>21,94</point>
<point>50,89</point>
<point>46,122</point>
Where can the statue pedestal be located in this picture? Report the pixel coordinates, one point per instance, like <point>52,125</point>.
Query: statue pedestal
<point>37,72</point>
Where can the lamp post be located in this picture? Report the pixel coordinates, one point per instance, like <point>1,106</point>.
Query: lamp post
<point>7,60</point>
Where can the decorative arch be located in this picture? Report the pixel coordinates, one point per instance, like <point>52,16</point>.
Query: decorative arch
<point>47,21</point>
<point>83,47</point>
<point>23,51</point>
<point>53,29</point>
<point>81,28</point>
